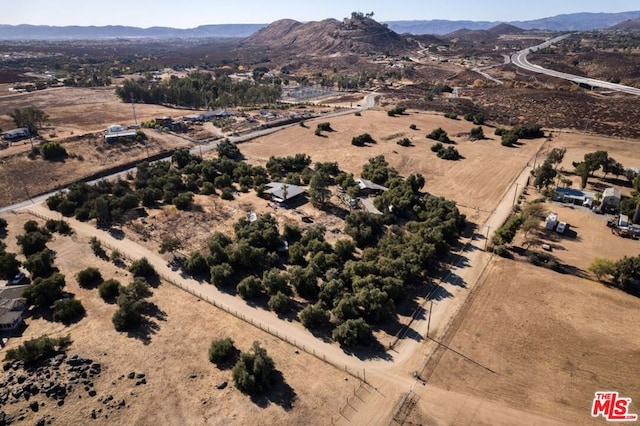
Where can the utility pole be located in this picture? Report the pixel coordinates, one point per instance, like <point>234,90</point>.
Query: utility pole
<point>515,194</point>
<point>429,320</point>
<point>133,106</point>
<point>486,240</point>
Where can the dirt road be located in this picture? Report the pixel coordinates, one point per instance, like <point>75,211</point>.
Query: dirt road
<point>391,374</point>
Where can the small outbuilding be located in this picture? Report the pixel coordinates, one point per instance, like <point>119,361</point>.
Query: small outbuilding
<point>370,188</point>
<point>611,199</point>
<point>16,135</point>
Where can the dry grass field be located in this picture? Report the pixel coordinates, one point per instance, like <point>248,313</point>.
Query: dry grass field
<point>551,341</point>
<point>181,382</point>
<point>476,182</point>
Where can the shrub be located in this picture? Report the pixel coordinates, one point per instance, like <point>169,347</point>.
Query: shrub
<point>362,139</point>
<point>280,303</point>
<point>324,127</point>
<point>509,139</point>
<point>142,268</point>
<point>437,147</point>
<point>353,332</point>
<point>36,349</point>
<point>358,114</point>
<point>502,251</point>
<point>413,127</point>
<point>439,135</point>
<point>88,278</point>
<point>52,150</point>
<point>183,200</point>
<point>404,142</point>
<point>68,310</point>
<point>222,351</point>
<point>109,289</point>
<point>451,115</point>
<point>227,194</point>
<point>477,133</point>
<point>449,153</point>
<point>252,373</point>
<point>314,317</point>
<point>398,110</point>
<point>249,287</point>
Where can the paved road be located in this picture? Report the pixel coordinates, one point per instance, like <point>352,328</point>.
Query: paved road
<point>369,102</point>
<point>520,59</point>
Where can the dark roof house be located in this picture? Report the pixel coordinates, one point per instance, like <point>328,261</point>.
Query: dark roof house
<point>16,134</point>
<point>284,194</point>
<point>12,304</point>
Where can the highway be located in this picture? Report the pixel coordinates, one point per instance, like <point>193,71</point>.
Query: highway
<point>520,59</point>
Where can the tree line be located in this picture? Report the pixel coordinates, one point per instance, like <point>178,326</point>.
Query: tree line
<point>199,90</point>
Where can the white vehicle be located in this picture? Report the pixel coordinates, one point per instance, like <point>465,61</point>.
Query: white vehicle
<point>561,227</point>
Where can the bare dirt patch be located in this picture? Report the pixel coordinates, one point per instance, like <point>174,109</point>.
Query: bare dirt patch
<point>172,353</point>
<point>550,342</point>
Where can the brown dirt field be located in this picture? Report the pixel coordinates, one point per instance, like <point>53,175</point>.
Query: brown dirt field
<point>88,155</point>
<point>175,348</point>
<point>81,110</point>
<point>477,181</point>
<point>551,341</point>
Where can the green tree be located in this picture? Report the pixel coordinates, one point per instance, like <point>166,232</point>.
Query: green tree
<point>280,303</point>
<point>32,242</point>
<point>221,275</point>
<point>40,264</point>
<point>314,317</point>
<point>545,175</point>
<point>352,333</point>
<point>29,117</point>
<point>42,292</point>
<point>601,267</point>
<point>9,265</point>
<point>109,289</point>
<point>228,149</point>
<point>68,311</point>
<point>52,151</point>
<point>476,133</point>
<point>319,189</point>
<point>143,268</point>
<point>37,349</point>
<point>555,156</point>
<point>89,277</point>
<point>253,372</point>
<point>249,287</point>
<point>222,351</point>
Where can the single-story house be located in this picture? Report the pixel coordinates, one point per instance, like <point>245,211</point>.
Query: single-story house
<point>16,134</point>
<point>12,304</point>
<point>206,116</point>
<point>284,194</point>
<point>611,199</point>
<point>574,196</point>
<point>117,131</point>
<point>370,188</point>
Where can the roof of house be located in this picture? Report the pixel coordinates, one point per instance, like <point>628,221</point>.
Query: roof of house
<point>12,292</point>
<point>611,192</point>
<point>367,184</point>
<point>277,190</point>
<point>575,193</point>
<point>10,317</point>
<point>22,131</point>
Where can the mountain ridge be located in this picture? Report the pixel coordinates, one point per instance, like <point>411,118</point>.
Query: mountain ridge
<point>582,21</point>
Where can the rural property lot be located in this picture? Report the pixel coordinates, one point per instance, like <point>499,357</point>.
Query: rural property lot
<point>550,340</point>
<point>181,381</point>
<point>477,181</point>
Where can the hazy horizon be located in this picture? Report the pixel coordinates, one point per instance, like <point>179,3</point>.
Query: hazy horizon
<point>199,12</point>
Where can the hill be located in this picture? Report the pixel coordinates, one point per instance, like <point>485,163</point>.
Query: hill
<point>330,36</point>
<point>485,36</point>
<point>45,32</point>
<point>567,22</point>
<point>628,25</point>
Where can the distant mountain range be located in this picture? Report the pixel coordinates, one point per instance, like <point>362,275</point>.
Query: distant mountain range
<point>568,22</point>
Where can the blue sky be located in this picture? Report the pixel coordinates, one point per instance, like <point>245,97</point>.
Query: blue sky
<point>189,14</point>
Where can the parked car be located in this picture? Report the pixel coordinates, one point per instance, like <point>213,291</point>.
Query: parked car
<point>17,279</point>
<point>562,226</point>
